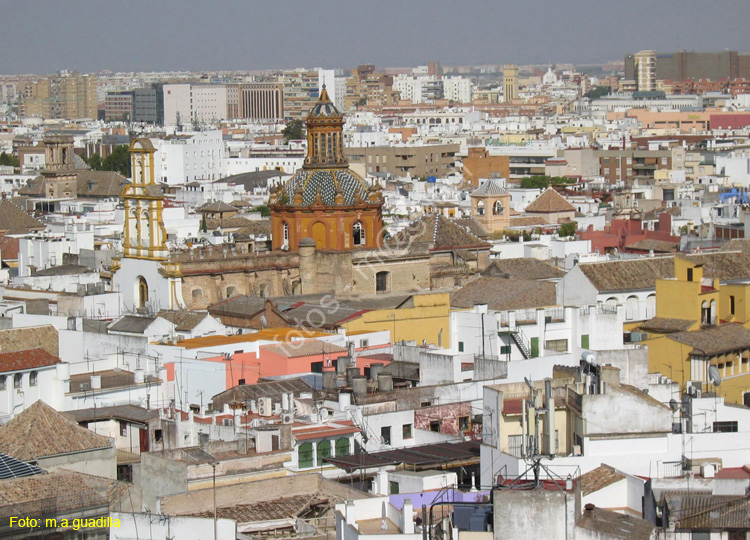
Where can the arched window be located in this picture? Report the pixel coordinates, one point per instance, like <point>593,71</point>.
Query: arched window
<point>142,292</point>
<point>480,208</point>
<point>197,294</point>
<point>497,208</point>
<point>705,313</point>
<point>324,451</point>
<point>381,281</point>
<point>712,316</point>
<point>358,233</point>
<point>17,379</point>
<point>305,455</point>
<point>631,308</point>
<point>3,382</point>
<point>342,447</point>
<point>285,227</point>
<point>32,378</point>
<point>651,306</point>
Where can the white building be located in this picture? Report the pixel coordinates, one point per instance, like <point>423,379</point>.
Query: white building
<point>187,158</point>
<point>458,89</point>
<point>194,103</point>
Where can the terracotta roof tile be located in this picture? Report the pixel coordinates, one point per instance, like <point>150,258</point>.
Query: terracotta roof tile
<point>13,220</point>
<point>599,478</point>
<point>502,294</point>
<point>664,325</point>
<point>548,202</point>
<point>28,359</point>
<point>437,231</point>
<point>717,340</point>
<point>20,339</point>
<point>41,431</point>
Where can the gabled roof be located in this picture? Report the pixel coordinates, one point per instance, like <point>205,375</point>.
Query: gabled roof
<point>218,206</point>
<point>13,220</point>
<point>132,324</point>
<point>40,431</point>
<point>99,184</point>
<point>599,478</point>
<point>474,227</point>
<point>548,202</point>
<point>30,337</point>
<point>613,525</point>
<point>634,274</point>
<point>704,511</point>
<point>184,320</point>
<point>522,268</point>
<point>716,340</point>
<point>133,413</point>
<point>274,389</point>
<point>28,359</point>
<point>502,294</point>
<point>437,231</point>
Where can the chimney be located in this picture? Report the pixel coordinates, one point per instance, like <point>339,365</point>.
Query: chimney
<point>351,514</point>
<point>407,517</point>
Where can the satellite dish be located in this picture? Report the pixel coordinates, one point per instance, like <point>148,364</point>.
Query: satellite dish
<point>714,376</point>
<point>674,405</point>
<point>263,321</point>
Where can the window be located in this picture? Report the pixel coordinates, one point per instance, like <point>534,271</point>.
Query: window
<point>504,350</point>
<point>534,347</point>
<point>393,487</point>
<point>381,282</point>
<point>463,423</point>
<point>158,435</point>
<point>480,208</point>
<point>690,274</point>
<point>460,346</point>
<point>358,234</point>
<point>725,427</point>
<point>557,345</point>
<point>231,291</point>
<point>3,382</point>
<point>385,434</point>
<point>286,234</point>
<point>497,208</point>
<point>515,444</point>
<point>324,451</point>
<point>197,294</point>
<point>17,378</point>
<point>406,431</point>
<point>435,426</point>
<point>731,305</point>
<point>584,341</point>
<point>364,343</point>
<point>631,308</point>
<point>305,455</point>
<point>32,378</point>
<point>342,447</point>
<point>123,428</point>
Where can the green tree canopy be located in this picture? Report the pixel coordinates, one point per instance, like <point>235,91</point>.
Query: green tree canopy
<point>95,161</point>
<point>597,92</point>
<point>264,210</point>
<point>567,229</point>
<point>118,160</point>
<point>9,160</point>
<point>293,130</point>
<point>543,181</point>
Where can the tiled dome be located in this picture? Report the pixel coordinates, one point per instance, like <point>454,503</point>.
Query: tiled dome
<point>327,182</point>
<point>324,107</point>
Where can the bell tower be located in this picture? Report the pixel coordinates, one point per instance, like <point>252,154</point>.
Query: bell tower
<point>147,280</point>
<point>145,236</point>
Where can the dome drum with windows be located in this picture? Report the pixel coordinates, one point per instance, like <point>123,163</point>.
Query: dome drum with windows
<point>325,200</point>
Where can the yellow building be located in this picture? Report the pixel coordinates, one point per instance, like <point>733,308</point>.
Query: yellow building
<point>700,323</point>
<point>423,317</point>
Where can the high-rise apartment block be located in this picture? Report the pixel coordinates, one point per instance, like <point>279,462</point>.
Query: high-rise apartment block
<point>186,103</point>
<point>260,101</point>
<point>68,95</point>
<point>684,65</point>
<point>645,71</point>
<point>366,87</point>
<point>301,91</point>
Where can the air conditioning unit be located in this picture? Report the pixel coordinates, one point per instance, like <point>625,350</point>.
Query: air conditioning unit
<point>637,337</point>
<point>694,388</point>
<point>287,418</point>
<point>265,407</point>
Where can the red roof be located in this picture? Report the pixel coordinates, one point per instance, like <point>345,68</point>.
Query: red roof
<point>513,406</point>
<point>318,432</point>
<point>28,359</point>
<point>734,473</point>
<point>9,248</point>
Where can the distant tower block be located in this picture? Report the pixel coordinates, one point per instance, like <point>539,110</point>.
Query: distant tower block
<point>510,83</point>
<point>645,71</point>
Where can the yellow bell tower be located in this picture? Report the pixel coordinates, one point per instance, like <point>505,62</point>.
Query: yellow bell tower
<point>144,276</point>
<point>145,236</point>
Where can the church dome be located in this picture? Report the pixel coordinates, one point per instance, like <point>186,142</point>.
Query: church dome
<point>324,108</point>
<point>336,187</point>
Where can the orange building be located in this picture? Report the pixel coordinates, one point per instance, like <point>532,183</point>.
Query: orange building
<point>325,200</point>
<point>480,164</point>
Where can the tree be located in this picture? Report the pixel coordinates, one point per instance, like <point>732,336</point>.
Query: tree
<point>567,229</point>
<point>118,160</point>
<point>9,160</point>
<point>543,181</point>
<point>264,210</point>
<point>596,93</point>
<point>293,130</point>
<point>204,225</point>
<point>95,161</point>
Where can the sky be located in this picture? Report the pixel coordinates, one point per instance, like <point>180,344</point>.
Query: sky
<point>42,36</point>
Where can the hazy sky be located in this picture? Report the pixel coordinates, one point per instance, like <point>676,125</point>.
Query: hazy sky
<point>41,36</point>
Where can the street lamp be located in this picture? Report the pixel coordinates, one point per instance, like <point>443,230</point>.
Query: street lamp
<point>213,465</point>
